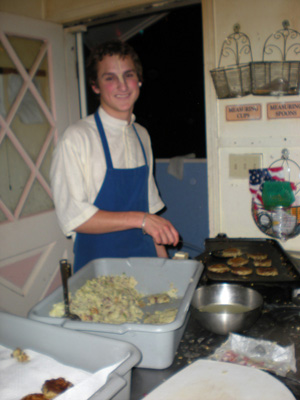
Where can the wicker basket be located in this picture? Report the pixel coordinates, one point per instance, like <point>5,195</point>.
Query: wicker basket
<point>275,78</point>
<point>278,74</point>
<point>234,81</point>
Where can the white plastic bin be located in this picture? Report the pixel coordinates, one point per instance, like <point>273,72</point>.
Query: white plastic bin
<point>80,350</point>
<point>157,343</point>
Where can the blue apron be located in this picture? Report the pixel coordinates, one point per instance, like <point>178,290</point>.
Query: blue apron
<point>122,190</point>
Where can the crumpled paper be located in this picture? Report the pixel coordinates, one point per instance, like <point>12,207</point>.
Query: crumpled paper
<point>19,379</point>
<point>176,164</point>
<point>262,354</point>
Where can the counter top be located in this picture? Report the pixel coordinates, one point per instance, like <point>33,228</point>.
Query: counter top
<point>279,322</point>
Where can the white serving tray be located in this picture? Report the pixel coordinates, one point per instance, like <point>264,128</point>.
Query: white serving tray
<point>214,380</point>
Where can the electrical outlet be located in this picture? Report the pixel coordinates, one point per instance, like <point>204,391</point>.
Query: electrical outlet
<point>239,164</point>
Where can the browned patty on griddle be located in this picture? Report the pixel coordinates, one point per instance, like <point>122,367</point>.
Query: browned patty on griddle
<point>266,271</point>
<point>241,270</point>
<point>263,263</point>
<point>231,252</point>
<point>237,261</point>
<point>218,268</point>
<point>257,256</point>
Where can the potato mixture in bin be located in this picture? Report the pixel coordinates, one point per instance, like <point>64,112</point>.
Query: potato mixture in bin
<point>109,299</point>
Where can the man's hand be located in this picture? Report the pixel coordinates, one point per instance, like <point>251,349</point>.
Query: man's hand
<point>161,230</point>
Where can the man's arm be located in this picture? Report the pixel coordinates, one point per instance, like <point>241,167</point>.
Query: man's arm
<point>161,251</point>
<point>160,229</point>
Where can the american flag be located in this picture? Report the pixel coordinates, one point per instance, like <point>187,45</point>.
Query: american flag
<point>257,177</point>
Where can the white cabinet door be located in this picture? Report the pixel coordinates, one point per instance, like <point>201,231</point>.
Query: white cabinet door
<point>33,113</point>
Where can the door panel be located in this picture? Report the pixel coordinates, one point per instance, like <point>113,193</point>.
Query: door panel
<point>33,113</point>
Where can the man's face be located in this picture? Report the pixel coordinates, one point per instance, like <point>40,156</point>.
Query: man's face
<point>118,86</point>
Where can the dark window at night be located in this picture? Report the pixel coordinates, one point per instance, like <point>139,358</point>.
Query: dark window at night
<point>171,104</point>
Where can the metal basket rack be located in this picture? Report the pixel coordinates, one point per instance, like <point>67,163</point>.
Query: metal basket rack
<point>280,222</point>
<point>281,75</point>
<point>234,79</point>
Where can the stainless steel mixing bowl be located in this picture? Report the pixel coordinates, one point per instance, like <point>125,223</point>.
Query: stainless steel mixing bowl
<point>243,307</point>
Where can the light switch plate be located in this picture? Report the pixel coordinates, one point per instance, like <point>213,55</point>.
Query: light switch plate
<point>239,164</point>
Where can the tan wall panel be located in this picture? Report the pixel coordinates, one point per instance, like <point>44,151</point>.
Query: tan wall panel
<point>74,10</point>
<point>28,8</point>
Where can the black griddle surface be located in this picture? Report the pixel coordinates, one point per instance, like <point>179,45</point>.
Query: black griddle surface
<point>287,272</point>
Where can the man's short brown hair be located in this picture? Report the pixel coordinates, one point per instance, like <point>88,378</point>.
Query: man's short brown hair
<point>111,48</point>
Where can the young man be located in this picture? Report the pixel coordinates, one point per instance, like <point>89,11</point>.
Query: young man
<point>101,172</point>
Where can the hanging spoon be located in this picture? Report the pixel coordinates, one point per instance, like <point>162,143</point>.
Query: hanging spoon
<point>65,270</point>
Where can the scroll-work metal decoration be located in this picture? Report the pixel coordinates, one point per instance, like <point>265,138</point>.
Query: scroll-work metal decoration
<point>289,39</point>
<point>278,74</point>
<point>233,80</point>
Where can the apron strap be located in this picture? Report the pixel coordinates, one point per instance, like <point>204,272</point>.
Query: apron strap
<point>140,144</point>
<point>104,140</point>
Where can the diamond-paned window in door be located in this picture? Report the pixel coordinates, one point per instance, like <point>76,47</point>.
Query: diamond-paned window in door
<point>33,113</point>
<point>27,127</point>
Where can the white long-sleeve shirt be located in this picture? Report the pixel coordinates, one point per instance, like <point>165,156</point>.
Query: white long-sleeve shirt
<point>78,166</point>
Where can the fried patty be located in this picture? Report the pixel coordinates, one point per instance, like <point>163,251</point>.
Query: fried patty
<point>218,268</point>
<point>257,256</point>
<point>263,263</point>
<point>267,271</point>
<point>231,252</point>
<point>34,396</point>
<point>54,387</point>
<point>237,261</point>
<point>241,270</point>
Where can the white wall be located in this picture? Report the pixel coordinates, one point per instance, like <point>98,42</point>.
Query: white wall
<point>230,199</point>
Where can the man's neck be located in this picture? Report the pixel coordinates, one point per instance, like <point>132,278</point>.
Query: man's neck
<point>124,116</point>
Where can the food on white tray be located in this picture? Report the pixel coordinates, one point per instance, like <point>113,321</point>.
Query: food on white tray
<point>111,299</point>
<point>218,268</point>
<point>54,387</point>
<point>20,355</point>
<point>34,396</point>
<point>50,389</point>
<point>237,261</point>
